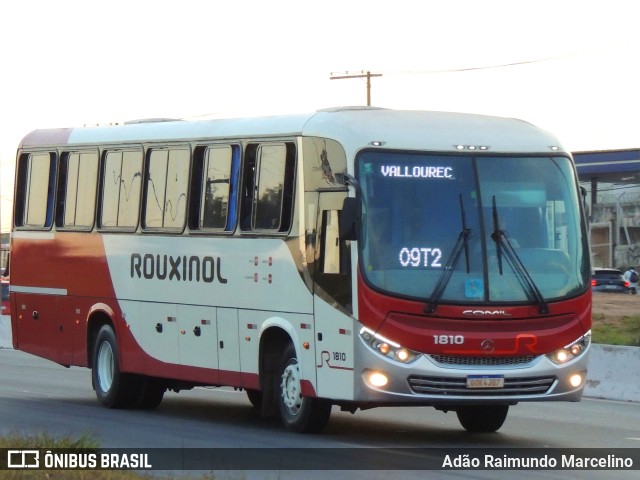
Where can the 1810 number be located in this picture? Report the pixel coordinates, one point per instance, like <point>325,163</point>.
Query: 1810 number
<point>448,339</point>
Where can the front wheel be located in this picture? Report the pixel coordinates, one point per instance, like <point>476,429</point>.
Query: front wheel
<point>255,397</point>
<point>482,418</point>
<point>298,413</point>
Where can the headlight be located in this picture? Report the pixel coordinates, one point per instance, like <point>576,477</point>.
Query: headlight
<point>571,351</point>
<point>386,347</point>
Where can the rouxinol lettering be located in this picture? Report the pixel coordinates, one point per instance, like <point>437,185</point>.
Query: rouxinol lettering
<point>180,268</point>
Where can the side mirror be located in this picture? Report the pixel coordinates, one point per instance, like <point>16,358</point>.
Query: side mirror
<point>350,219</point>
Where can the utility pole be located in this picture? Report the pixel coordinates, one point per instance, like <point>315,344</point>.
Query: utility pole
<point>363,74</point>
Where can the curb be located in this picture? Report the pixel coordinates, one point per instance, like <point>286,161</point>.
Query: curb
<point>613,373</point>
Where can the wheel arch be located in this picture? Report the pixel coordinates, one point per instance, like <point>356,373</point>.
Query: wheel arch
<point>98,316</point>
<point>273,340</point>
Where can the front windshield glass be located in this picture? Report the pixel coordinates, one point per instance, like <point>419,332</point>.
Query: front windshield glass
<point>415,207</point>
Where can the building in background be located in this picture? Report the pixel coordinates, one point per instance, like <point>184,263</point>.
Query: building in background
<point>612,181</point>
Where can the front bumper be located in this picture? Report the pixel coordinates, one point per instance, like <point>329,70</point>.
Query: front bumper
<point>441,381</point>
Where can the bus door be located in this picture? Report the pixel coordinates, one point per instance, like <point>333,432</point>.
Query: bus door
<point>335,333</point>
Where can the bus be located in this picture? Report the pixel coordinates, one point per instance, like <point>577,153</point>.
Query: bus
<point>354,257</point>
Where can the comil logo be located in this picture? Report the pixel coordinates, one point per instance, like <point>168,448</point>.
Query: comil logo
<point>486,313</point>
<point>23,459</point>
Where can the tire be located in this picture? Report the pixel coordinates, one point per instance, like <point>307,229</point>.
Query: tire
<point>151,394</point>
<point>255,397</point>
<point>482,418</point>
<point>114,389</point>
<point>299,414</point>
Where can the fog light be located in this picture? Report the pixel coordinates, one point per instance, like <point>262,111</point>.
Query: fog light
<point>378,379</point>
<point>575,380</point>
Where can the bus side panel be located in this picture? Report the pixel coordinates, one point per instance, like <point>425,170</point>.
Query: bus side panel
<point>184,300</point>
<point>52,295</point>
<point>228,346</point>
<point>334,352</point>
<point>41,329</point>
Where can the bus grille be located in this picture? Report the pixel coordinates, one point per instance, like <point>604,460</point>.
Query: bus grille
<point>458,386</point>
<point>481,361</point>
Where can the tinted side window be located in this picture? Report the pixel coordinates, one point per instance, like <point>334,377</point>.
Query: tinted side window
<point>216,186</point>
<point>270,174</point>
<point>268,180</point>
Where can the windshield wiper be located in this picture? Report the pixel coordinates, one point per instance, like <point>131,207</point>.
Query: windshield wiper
<point>445,276</point>
<point>499,236</point>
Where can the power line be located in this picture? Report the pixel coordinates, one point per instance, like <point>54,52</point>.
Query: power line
<point>363,74</point>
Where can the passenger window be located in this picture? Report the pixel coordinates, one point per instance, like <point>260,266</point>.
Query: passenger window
<point>121,189</point>
<point>216,186</point>
<point>35,190</point>
<point>77,189</point>
<point>166,191</point>
<point>270,173</point>
<point>268,187</point>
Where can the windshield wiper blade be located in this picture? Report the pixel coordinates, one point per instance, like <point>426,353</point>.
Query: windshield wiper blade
<point>445,276</point>
<point>529,286</point>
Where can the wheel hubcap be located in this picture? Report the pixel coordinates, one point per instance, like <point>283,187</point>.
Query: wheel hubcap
<point>291,391</point>
<point>105,366</point>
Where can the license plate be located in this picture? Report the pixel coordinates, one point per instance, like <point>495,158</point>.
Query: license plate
<point>485,381</point>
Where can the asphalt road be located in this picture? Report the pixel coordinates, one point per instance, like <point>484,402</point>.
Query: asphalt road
<point>38,396</point>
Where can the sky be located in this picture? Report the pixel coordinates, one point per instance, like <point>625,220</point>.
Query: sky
<point>568,66</point>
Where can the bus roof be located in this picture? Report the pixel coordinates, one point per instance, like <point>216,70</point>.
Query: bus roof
<point>353,127</point>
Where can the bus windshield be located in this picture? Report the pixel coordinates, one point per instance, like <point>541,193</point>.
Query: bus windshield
<point>462,229</point>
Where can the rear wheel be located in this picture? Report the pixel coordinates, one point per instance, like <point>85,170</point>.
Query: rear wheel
<point>482,418</point>
<point>151,394</point>
<point>255,397</point>
<point>298,413</point>
<point>114,389</point>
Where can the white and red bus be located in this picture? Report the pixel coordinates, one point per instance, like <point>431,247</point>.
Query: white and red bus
<point>356,257</point>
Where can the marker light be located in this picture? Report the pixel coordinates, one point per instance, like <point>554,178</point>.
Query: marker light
<point>571,351</point>
<point>472,148</point>
<point>386,347</point>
